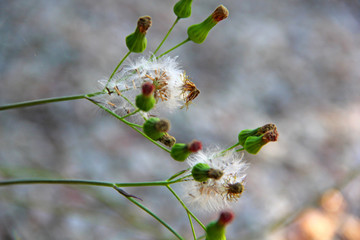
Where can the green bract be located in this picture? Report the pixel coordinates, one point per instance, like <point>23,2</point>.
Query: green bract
<point>155,128</point>
<point>198,32</point>
<point>182,9</point>
<point>180,152</point>
<point>215,231</point>
<point>200,172</point>
<point>244,134</point>
<point>253,144</point>
<point>145,103</point>
<point>136,42</point>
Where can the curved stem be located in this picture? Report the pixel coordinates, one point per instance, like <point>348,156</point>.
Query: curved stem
<point>178,174</point>
<point>166,36</point>
<point>47,100</point>
<point>240,149</point>
<point>183,42</point>
<point>132,113</point>
<point>191,225</point>
<point>131,199</point>
<point>54,181</point>
<point>228,149</point>
<point>132,125</point>
<point>185,207</point>
<point>84,182</point>
<point>117,67</point>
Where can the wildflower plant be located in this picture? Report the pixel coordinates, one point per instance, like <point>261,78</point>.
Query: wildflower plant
<point>148,85</point>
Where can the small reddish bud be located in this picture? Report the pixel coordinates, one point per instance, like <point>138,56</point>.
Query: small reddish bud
<point>147,88</point>
<point>226,217</point>
<point>195,146</point>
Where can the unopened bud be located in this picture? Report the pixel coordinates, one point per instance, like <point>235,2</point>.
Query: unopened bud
<point>180,151</point>
<point>147,89</point>
<point>136,42</point>
<point>198,32</point>
<point>182,9</point>
<point>201,172</point>
<point>146,100</point>
<point>244,134</point>
<point>155,128</point>
<point>253,144</point>
<point>167,140</point>
<point>216,230</point>
<point>195,146</point>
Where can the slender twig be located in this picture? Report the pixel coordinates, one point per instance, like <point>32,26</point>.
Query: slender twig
<point>48,100</point>
<point>228,149</point>
<point>132,125</point>
<point>191,225</point>
<point>178,174</point>
<point>148,211</point>
<point>185,207</point>
<point>85,182</point>
<point>166,36</point>
<point>240,149</point>
<point>183,42</point>
<point>117,67</point>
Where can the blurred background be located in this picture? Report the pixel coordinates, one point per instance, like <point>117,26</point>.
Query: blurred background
<point>293,63</point>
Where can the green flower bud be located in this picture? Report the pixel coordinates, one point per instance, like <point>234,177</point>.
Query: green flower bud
<point>198,32</point>
<point>136,42</point>
<point>244,134</point>
<point>253,144</point>
<point>146,100</point>
<point>182,9</point>
<point>201,172</point>
<point>155,128</point>
<point>167,140</point>
<point>180,151</point>
<point>216,230</point>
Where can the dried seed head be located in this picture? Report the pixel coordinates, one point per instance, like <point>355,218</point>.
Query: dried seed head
<point>162,125</point>
<point>220,13</point>
<point>215,173</point>
<point>167,140</point>
<point>270,136</point>
<point>188,90</point>
<point>144,23</point>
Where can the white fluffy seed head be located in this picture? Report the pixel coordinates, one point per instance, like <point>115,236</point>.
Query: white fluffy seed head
<point>214,195</point>
<point>164,73</point>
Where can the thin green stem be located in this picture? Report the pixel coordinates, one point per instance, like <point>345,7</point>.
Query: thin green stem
<point>84,182</point>
<point>132,125</point>
<point>183,42</point>
<point>132,113</point>
<point>131,199</point>
<point>178,174</point>
<point>240,149</point>
<point>117,67</point>
<point>185,207</point>
<point>47,100</point>
<point>191,225</point>
<point>201,237</point>
<point>54,181</point>
<point>166,36</point>
<point>228,149</point>
<point>133,105</point>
